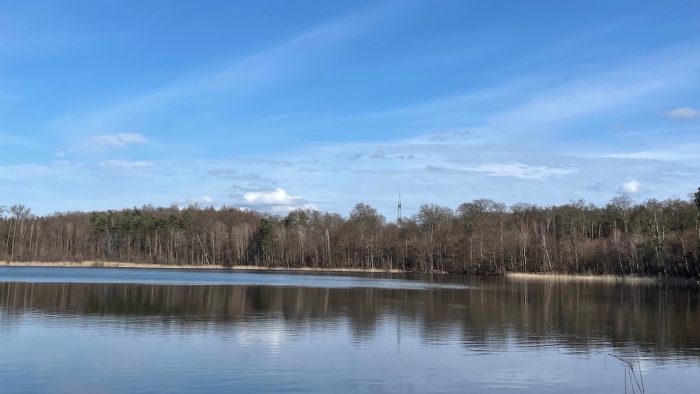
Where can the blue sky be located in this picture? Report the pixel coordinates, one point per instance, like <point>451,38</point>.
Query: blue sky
<point>275,105</point>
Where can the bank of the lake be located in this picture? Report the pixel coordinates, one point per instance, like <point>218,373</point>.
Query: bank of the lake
<point>545,276</point>
<point>121,264</point>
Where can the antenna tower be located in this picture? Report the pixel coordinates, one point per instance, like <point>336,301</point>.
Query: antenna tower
<point>398,215</point>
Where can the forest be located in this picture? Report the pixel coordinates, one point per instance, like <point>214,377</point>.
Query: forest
<point>654,238</point>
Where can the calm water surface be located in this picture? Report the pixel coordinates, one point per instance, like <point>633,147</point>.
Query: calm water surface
<point>118,330</point>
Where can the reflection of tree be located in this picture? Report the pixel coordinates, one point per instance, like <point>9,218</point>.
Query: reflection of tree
<point>577,315</point>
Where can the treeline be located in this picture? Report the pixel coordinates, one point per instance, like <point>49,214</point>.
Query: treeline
<point>482,236</point>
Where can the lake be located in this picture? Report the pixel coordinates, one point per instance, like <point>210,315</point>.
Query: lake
<point>82,330</point>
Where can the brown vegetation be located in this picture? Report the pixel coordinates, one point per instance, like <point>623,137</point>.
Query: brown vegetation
<point>659,238</point>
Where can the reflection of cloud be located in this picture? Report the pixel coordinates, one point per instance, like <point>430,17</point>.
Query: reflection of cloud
<point>269,335</point>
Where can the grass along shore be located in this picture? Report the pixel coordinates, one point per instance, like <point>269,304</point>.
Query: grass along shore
<point>579,277</point>
<point>551,276</point>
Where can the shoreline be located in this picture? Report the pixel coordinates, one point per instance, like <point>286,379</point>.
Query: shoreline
<point>528,276</point>
<point>117,264</point>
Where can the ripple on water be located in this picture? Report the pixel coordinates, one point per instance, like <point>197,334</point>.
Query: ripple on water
<point>486,336</point>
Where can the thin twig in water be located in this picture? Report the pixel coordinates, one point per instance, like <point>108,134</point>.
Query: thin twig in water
<point>631,374</point>
<point>639,363</point>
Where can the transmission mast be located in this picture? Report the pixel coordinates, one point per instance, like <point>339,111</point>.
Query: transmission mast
<point>398,214</point>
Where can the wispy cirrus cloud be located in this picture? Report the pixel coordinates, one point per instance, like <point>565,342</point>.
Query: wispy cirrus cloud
<point>202,201</point>
<point>118,140</point>
<point>236,77</point>
<point>125,164</point>
<point>527,104</point>
<point>513,170</point>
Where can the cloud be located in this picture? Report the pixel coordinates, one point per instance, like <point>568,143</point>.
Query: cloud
<point>233,174</point>
<point>548,109</point>
<point>630,187</point>
<point>515,170</point>
<point>278,201</point>
<point>275,197</point>
<point>522,171</point>
<point>202,201</point>
<point>60,169</point>
<point>482,143</point>
<point>680,148</point>
<point>240,75</point>
<point>126,165</point>
<point>451,136</point>
<point>378,154</point>
<point>683,113</point>
<point>530,104</point>
<point>118,140</point>
<point>626,83</point>
<point>679,154</point>
<point>641,155</point>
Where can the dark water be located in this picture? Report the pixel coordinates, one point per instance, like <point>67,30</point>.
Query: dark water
<point>101,330</point>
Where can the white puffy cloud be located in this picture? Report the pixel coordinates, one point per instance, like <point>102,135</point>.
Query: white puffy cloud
<point>683,113</point>
<point>275,197</point>
<point>630,187</point>
<point>118,140</point>
<point>278,201</point>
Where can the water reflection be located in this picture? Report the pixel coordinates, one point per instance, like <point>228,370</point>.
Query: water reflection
<point>579,317</point>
